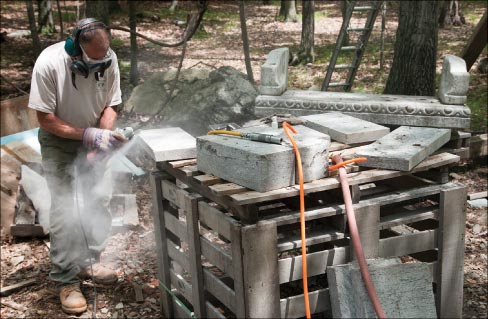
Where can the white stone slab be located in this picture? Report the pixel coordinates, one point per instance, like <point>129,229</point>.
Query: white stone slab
<point>167,144</point>
<point>403,148</point>
<point>404,290</point>
<point>424,111</point>
<point>312,144</point>
<point>454,82</point>
<point>344,128</point>
<point>255,165</point>
<point>274,72</point>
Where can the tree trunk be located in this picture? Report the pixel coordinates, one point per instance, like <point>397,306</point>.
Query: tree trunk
<point>36,44</point>
<point>45,16</point>
<point>476,42</point>
<point>98,10</point>
<point>245,41</point>
<point>174,3</point>
<point>306,53</point>
<point>134,73</point>
<point>414,60</point>
<point>288,10</point>
<point>60,16</point>
<point>343,5</point>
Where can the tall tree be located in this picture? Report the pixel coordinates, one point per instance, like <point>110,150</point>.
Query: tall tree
<point>99,10</point>
<point>414,60</point>
<point>36,43</point>
<point>45,16</point>
<point>245,41</point>
<point>288,10</point>
<point>306,53</point>
<point>134,73</point>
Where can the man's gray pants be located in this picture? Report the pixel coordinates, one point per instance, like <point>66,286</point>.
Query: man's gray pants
<point>79,221</point>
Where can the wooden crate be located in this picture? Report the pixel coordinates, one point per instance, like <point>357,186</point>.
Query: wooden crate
<point>226,251</point>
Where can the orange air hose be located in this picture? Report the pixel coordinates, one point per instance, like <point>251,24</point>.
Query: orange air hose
<point>356,242</point>
<point>224,132</point>
<point>287,127</point>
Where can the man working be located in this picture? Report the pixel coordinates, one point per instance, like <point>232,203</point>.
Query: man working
<point>75,90</point>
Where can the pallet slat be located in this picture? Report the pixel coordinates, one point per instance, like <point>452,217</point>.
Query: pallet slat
<point>322,235</point>
<point>294,307</point>
<point>220,290</point>
<point>217,257</point>
<point>408,244</point>
<point>215,219</point>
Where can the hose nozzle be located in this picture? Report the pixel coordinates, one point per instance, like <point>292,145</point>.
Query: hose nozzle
<point>264,138</point>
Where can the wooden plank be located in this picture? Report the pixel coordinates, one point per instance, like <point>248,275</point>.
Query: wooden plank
<point>180,310</point>
<point>262,289</point>
<point>361,177</point>
<point>408,244</point>
<point>182,163</point>
<point>236,249</point>
<point>173,193</point>
<point>22,152</point>
<point>208,179</point>
<point>5,291</point>
<point>213,312</point>
<point>404,216</point>
<point>367,220</point>
<point>478,146</point>
<point>190,170</point>
<point>177,254</point>
<point>161,245</point>
<point>182,285</point>
<point>26,230</point>
<point>215,219</point>
<point>176,226</point>
<point>16,116</point>
<point>219,290</point>
<point>217,257</point>
<point>452,217</point>
<point>195,251</point>
<point>314,237</point>
<point>138,293</point>
<point>478,195</point>
<point>227,189</point>
<point>290,269</point>
<point>294,307</point>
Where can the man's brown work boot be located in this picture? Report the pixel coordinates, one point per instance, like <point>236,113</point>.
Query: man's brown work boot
<point>101,274</point>
<point>72,300</point>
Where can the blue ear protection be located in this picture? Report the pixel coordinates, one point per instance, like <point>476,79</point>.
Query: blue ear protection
<point>72,46</point>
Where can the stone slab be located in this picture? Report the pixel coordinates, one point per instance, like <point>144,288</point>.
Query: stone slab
<point>262,166</point>
<point>454,82</point>
<point>167,144</point>
<point>274,72</point>
<point>344,128</point>
<point>403,148</point>
<point>404,290</point>
<point>312,144</point>
<point>255,165</point>
<point>422,111</point>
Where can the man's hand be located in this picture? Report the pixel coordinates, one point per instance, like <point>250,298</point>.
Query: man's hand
<point>104,140</point>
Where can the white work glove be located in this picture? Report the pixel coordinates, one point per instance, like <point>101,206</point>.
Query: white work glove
<point>104,140</point>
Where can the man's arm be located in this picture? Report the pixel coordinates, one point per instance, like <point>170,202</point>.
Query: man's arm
<point>108,118</point>
<point>53,124</point>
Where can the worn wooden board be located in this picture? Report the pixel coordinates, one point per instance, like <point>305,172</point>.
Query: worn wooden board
<point>16,116</point>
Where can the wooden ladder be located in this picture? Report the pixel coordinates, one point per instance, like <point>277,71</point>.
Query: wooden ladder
<point>357,48</point>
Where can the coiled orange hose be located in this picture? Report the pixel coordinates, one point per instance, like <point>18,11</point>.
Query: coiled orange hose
<point>287,127</point>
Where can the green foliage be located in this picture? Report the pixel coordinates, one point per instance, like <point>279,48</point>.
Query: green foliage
<point>477,103</point>
<point>117,43</point>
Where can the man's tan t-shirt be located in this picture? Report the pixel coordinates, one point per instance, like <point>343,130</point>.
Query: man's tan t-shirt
<point>52,89</point>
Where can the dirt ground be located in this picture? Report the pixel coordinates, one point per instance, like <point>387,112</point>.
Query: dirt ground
<point>132,252</point>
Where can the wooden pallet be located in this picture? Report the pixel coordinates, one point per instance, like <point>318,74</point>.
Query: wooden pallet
<point>226,251</point>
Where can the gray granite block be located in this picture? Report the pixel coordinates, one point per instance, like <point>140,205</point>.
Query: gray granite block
<point>313,147</point>
<point>423,111</point>
<point>274,72</point>
<point>404,290</point>
<point>167,144</point>
<point>255,165</point>
<point>454,82</point>
<point>344,128</point>
<point>403,148</point>
<point>263,166</point>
